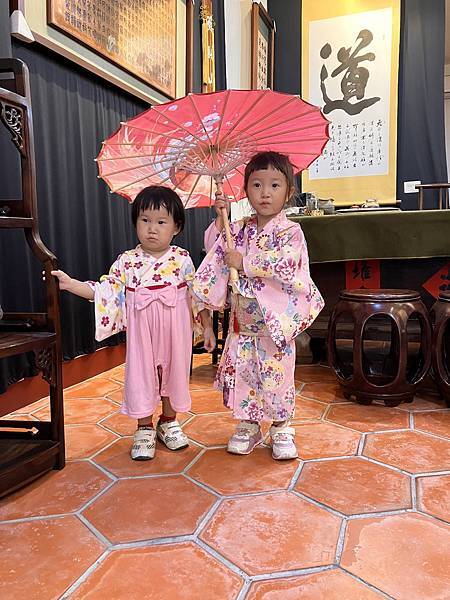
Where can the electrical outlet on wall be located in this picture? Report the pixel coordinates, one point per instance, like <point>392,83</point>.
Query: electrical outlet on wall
<point>409,187</point>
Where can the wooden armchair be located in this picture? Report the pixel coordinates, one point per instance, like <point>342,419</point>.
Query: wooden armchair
<point>29,448</point>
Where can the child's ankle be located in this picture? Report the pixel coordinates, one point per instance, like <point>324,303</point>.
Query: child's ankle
<point>166,418</point>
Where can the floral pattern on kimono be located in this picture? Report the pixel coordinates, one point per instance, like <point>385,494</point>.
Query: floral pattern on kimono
<point>276,300</point>
<point>149,297</point>
<point>133,269</point>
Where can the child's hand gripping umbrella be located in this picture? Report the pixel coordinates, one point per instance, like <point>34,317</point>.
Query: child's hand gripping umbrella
<point>191,142</point>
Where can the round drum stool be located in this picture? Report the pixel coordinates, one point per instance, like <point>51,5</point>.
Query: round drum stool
<point>379,344</point>
<point>440,315</point>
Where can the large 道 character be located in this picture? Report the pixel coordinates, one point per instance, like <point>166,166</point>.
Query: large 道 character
<point>354,80</point>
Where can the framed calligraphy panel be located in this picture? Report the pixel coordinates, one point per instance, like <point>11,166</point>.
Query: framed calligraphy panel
<point>137,35</point>
<point>350,70</point>
<point>262,59</point>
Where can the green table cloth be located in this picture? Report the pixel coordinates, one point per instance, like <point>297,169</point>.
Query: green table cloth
<point>359,236</point>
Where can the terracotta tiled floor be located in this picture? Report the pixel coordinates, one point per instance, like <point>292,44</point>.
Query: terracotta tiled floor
<point>364,513</point>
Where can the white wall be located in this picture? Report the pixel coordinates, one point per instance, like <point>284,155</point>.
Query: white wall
<point>238,42</point>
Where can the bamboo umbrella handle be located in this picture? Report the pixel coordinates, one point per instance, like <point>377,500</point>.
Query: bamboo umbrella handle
<point>233,272</point>
<point>234,276</point>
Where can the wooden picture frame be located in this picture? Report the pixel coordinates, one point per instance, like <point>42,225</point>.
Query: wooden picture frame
<point>262,53</point>
<point>128,33</point>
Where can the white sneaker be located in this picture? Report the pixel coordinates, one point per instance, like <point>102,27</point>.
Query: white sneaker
<point>171,435</point>
<point>245,438</point>
<point>283,446</point>
<point>144,444</point>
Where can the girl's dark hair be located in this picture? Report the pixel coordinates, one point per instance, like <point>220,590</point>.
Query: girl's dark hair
<point>156,196</point>
<point>264,160</point>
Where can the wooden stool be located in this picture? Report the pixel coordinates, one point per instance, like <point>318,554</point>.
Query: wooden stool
<point>440,315</point>
<point>366,370</point>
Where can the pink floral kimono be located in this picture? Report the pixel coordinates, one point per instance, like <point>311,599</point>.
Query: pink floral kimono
<point>150,298</point>
<point>275,300</point>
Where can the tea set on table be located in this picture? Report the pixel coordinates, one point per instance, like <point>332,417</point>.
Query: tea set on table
<point>315,207</point>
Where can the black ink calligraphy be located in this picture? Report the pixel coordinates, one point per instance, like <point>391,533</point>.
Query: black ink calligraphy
<point>354,79</point>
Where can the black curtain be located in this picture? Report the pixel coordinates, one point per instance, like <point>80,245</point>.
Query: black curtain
<point>80,221</point>
<point>421,127</point>
<point>5,37</point>
<point>287,55</point>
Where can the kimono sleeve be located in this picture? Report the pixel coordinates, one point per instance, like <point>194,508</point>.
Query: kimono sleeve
<point>109,301</point>
<point>211,235</point>
<point>282,284</point>
<point>187,274</point>
<point>211,279</point>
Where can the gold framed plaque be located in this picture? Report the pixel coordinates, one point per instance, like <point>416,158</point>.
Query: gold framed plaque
<point>140,36</point>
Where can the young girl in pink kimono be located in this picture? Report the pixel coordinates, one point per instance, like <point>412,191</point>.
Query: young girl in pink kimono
<point>147,291</point>
<point>273,300</point>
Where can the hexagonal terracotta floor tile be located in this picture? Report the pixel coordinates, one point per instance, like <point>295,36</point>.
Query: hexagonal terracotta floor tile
<point>324,392</point>
<point>17,416</point>
<point>325,440</point>
<point>30,408</point>
<point>211,430</point>
<point>116,459</point>
<point>179,571</point>
<point>55,493</point>
<point>82,441</point>
<point>423,401</point>
<point>306,410</point>
<point>207,401</point>
<point>436,421</point>
<point>409,450</point>
<point>273,532</point>
<point>98,387</point>
<point>433,496</point>
<point>368,418</point>
<point>118,373</point>
<point>314,374</point>
<point>202,376</point>
<point>141,509</point>
<point>332,584</point>
<point>231,474</point>
<point>116,396</point>
<point>124,426</point>
<point>355,486</point>
<point>79,411</point>
<point>120,424</point>
<point>41,559</point>
<point>379,550</point>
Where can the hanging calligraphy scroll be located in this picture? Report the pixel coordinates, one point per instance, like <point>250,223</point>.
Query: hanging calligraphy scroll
<point>350,70</point>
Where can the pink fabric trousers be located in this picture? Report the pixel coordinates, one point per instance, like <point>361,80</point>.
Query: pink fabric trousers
<point>159,338</point>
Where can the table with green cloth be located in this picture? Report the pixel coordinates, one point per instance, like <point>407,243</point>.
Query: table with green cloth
<point>377,235</point>
<point>406,249</point>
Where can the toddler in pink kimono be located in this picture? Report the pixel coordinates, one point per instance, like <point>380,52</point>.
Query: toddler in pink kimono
<point>272,302</point>
<point>147,291</point>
